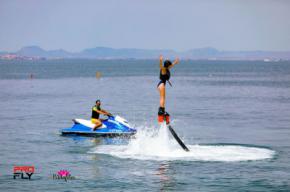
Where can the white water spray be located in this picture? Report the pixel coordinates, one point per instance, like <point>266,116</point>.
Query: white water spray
<point>157,144</point>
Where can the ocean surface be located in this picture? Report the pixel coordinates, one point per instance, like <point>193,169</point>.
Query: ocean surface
<point>234,116</point>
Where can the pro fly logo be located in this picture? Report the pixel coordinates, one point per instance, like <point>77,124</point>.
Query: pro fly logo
<point>23,172</point>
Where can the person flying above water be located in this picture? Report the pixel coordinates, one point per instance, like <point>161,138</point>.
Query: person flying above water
<point>164,77</point>
<point>96,111</point>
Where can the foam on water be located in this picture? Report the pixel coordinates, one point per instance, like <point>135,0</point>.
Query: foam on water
<point>157,144</point>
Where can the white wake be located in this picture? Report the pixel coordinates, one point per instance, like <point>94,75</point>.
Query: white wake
<point>160,145</point>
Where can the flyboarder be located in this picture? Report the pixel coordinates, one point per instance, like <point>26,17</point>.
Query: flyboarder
<point>164,77</point>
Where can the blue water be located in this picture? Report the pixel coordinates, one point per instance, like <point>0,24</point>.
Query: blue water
<point>233,115</point>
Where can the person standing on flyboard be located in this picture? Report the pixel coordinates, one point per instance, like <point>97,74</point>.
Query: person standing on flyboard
<point>164,77</point>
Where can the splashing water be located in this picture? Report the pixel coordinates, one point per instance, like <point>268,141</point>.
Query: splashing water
<point>157,144</point>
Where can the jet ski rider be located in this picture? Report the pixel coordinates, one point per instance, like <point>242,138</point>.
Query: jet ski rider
<point>96,111</point>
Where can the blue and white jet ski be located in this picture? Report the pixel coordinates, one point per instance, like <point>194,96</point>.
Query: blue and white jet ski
<point>113,126</point>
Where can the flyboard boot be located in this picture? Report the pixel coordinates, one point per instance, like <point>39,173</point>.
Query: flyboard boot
<point>163,116</point>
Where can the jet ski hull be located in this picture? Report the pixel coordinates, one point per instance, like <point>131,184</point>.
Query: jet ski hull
<point>112,127</point>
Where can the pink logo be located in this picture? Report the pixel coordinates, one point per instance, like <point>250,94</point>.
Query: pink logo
<point>63,173</point>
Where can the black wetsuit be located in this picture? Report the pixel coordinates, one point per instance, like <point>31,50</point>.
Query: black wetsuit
<point>164,78</point>
<point>95,114</point>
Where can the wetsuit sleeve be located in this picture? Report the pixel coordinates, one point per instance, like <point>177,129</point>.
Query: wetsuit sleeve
<point>95,109</point>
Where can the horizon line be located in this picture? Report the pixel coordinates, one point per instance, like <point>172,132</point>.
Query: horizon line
<point>151,49</point>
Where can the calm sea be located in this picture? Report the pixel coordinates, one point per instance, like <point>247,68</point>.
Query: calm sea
<point>233,115</point>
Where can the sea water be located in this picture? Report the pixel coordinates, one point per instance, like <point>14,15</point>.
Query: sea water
<point>160,147</point>
<point>233,115</point>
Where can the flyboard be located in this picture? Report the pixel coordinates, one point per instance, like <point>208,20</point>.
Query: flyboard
<point>166,118</point>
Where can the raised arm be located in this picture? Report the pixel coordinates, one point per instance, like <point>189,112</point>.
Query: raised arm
<point>161,62</point>
<point>176,61</point>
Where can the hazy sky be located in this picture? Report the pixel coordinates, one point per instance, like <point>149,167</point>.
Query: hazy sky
<point>154,24</point>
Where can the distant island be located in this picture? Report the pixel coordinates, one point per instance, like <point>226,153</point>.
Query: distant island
<point>207,53</point>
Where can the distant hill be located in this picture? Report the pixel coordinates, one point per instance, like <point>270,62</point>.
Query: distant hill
<point>104,52</point>
<point>212,53</point>
<point>35,51</point>
<point>208,53</point>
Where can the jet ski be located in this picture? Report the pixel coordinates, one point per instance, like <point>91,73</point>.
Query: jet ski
<point>113,126</point>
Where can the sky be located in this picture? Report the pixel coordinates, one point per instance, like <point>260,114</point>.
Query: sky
<point>180,25</point>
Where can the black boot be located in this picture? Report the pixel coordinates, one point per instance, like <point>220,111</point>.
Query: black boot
<point>161,111</point>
